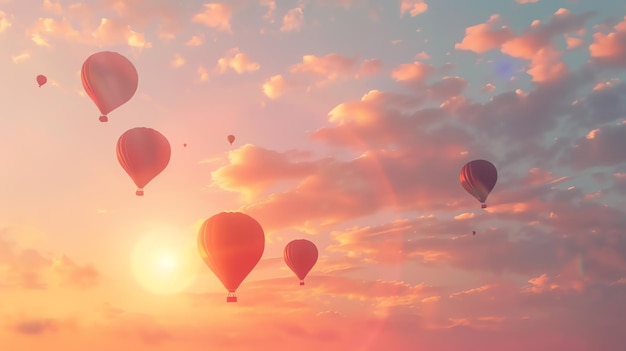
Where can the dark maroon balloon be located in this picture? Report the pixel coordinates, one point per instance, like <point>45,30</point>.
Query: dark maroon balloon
<point>478,178</point>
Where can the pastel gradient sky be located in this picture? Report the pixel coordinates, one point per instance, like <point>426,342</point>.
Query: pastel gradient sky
<point>353,119</point>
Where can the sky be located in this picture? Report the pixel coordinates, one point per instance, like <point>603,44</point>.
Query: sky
<point>352,120</point>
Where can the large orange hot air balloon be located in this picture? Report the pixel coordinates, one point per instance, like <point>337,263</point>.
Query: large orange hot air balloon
<point>300,255</point>
<point>231,244</point>
<point>231,139</point>
<point>478,178</point>
<point>143,153</point>
<point>41,80</point>
<point>110,80</point>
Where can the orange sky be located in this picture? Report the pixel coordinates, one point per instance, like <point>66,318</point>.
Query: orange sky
<point>352,120</point>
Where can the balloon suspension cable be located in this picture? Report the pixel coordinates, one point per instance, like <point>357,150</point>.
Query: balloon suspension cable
<point>139,192</point>
<point>302,282</point>
<point>231,297</point>
<point>103,118</point>
<point>484,205</point>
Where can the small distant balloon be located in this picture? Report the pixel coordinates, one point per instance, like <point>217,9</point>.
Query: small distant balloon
<point>41,80</point>
<point>300,256</point>
<point>478,178</point>
<point>110,80</point>
<point>143,153</point>
<point>184,145</point>
<point>231,139</point>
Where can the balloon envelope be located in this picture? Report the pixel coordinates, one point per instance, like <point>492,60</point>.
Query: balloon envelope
<point>478,178</point>
<point>231,244</point>
<point>231,139</point>
<point>110,80</point>
<point>300,255</point>
<point>143,153</point>
<point>41,80</point>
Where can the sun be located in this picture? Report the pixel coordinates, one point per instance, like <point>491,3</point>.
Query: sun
<point>163,260</point>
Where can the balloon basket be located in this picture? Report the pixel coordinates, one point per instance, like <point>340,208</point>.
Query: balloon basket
<point>483,206</point>
<point>139,192</point>
<point>301,282</point>
<point>231,297</point>
<point>103,119</point>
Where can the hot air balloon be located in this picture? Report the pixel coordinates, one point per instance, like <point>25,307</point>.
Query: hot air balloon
<point>41,80</point>
<point>231,244</point>
<point>110,80</point>
<point>478,178</point>
<point>143,153</point>
<point>300,255</point>
<point>231,139</point>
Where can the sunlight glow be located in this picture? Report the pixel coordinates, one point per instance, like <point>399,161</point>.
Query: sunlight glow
<point>163,261</point>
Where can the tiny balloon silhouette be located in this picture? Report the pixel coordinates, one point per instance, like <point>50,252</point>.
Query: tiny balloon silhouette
<point>478,178</point>
<point>41,80</point>
<point>231,139</point>
<point>110,80</point>
<point>143,153</point>
<point>300,256</point>
<point>231,244</point>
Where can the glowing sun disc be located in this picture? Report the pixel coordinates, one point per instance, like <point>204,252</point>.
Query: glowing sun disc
<point>163,261</point>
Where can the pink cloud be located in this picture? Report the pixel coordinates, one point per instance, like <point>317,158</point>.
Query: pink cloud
<point>293,20</point>
<point>238,62</point>
<point>534,44</point>
<point>546,65</point>
<point>574,42</point>
<point>413,72</point>
<point>413,7</point>
<point>319,71</point>
<point>539,36</point>
<point>610,49</point>
<point>271,7</point>
<point>485,36</point>
<point>111,31</point>
<point>215,15</point>
<point>329,66</point>
<point>369,68</point>
<point>253,169</point>
<point>488,88</point>
<point>30,269</point>
<point>4,22</point>
<point>195,41</point>
<point>275,86</point>
<point>178,61</point>
<point>107,31</point>
<point>79,22</point>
